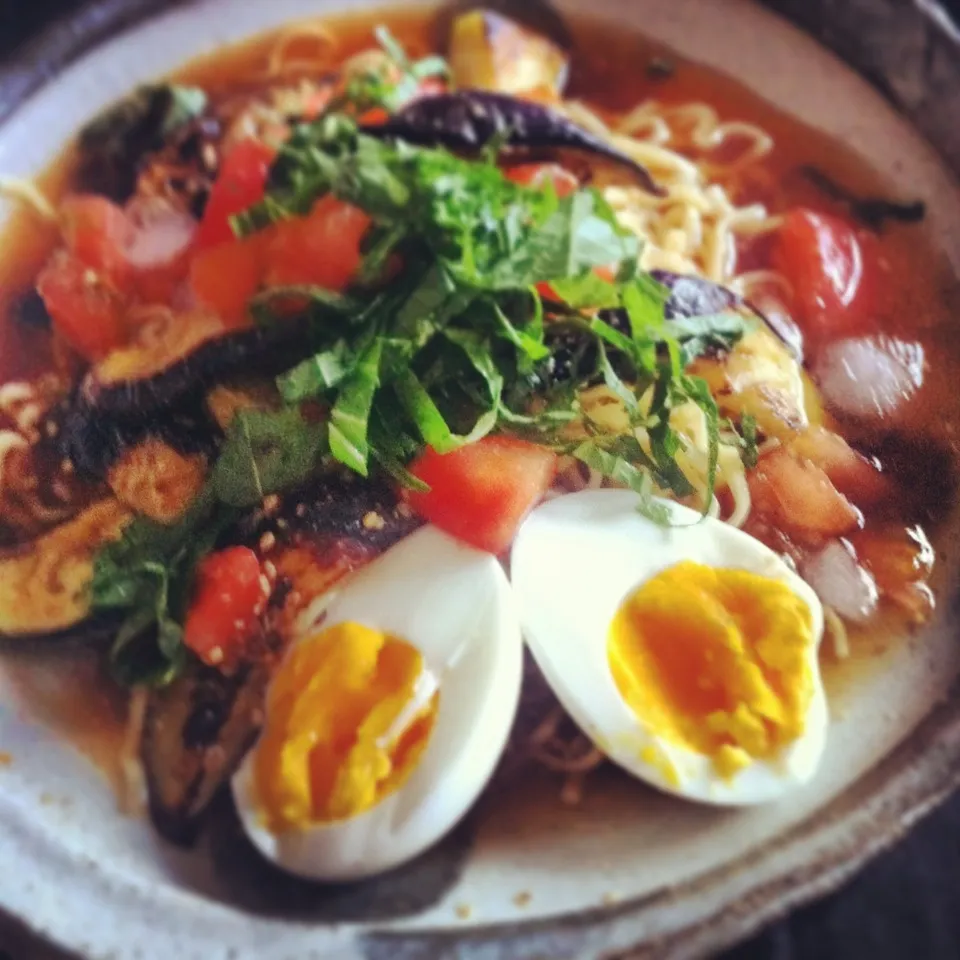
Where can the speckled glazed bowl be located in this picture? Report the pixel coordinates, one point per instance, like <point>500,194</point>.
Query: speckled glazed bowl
<point>629,873</point>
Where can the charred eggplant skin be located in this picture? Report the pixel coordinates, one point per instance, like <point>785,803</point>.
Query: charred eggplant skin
<point>693,296</point>
<point>572,352</point>
<point>92,442</point>
<point>115,145</point>
<point>196,732</point>
<point>341,507</point>
<point>470,119</point>
<point>198,729</point>
<point>102,419</point>
<point>265,350</point>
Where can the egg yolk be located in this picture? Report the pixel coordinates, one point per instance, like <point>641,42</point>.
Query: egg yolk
<point>347,721</point>
<point>715,660</point>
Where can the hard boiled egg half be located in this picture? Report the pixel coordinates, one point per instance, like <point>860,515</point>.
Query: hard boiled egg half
<point>687,651</point>
<point>384,723</point>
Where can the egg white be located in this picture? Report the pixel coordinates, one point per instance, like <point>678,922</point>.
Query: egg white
<point>573,563</point>
<point>454,604</point>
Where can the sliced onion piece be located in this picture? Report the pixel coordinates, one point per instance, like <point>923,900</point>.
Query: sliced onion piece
<point>841,583</point>
<point>161,234</point>
<point>870,377</point>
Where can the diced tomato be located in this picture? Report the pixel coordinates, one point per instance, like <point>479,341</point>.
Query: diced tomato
<point>241,183</point>
<point>98,233</point>
<point>225,277</point>
<point>538,175</point>
<point>87,312</point>
<point>229,596</point>
<point>797,497</point>
<point>856,477</point>
<point>374,117</point>
<point>831,277</point>
<point>322,248</point>
<point>481,493</point>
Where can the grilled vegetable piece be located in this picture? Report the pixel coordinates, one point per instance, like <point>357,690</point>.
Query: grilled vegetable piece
<point>693,296</point>
<point>573,353</point>
<point>196,732</point>
<point>93,442</point>
<point>339,508</point>
<point>115,144</point>
<point>491,52</point>
<point>156,480</point>
<point>198,729</point>
<point>539,16</point>
<point>44,585</point>
<point>470,119</point>
<point>265,350</point>
<point>105,419</point>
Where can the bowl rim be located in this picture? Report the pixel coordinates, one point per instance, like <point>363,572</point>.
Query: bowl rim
<point>737,899</point>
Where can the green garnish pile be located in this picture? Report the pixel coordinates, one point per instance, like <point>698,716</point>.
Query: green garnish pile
<point>445,338</point>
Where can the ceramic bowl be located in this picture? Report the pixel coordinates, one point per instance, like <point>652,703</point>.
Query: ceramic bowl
<point>629,872</point>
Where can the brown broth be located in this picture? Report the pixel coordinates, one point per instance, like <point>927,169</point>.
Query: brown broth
<point>920,294</point>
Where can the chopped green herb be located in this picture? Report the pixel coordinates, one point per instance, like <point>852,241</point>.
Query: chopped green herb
<point>148,574</point>
<point>265,452</point>
<point>459,343</point>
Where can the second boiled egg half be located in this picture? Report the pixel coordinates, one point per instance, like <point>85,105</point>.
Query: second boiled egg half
<point>687,652</point>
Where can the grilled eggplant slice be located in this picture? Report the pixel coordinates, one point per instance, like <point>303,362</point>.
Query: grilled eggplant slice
<point>491,52</point>
<point>198,729</point>
<point>470,119</point>
<point>44,585</point>
<point>196,732</point>
<point>694,296</point>
<point>572,352</point>
<point>114,145</point>
<point>105,418</point>
<point>266,350</point>
<point>539,16</point>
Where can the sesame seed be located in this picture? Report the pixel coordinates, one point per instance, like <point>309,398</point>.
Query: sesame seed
<point>610,898</point>
<point>301,510</point>
<point>403,510</point>
<point>523,898</point>
<point>282,524</point>
<point>5,759</point>
<point>464,911</point>
<point>373,521</point>
<point>270,569</point>
<point>215,657</point>
<point>51,429</point>
<point>271,503</point>
<point>264,584</point>
<point>67,466</point>
<point>267,542</point>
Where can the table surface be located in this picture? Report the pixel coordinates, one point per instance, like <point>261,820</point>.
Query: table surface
<point>905,904</point>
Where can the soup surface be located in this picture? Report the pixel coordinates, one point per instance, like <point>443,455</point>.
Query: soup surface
<point>266,319</point>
